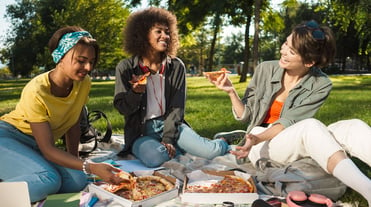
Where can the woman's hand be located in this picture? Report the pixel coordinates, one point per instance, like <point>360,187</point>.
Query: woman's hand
<point>106,172</point>
<point>138,86</point>
<point>243,151</point>
<point>222,82</point>
<point>170,149</point>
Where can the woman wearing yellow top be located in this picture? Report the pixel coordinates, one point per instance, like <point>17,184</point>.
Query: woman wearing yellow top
<point>49,107</point>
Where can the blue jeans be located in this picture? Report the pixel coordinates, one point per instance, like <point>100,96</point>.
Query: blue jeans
<point>152,153</point>
<point>21,160</point>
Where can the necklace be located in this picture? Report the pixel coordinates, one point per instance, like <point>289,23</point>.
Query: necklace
<point>59,91</point>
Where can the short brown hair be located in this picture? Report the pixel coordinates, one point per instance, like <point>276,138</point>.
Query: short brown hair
<point>138,25</point>
<point>314,43</point>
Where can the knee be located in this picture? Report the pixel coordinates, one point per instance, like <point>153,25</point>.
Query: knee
<point>350,125</point>
<point>151,153</point>
<point>312,123</point>
<point>154,157</point>
<point>48,183</point>
<point>51,181</point>
<point>357,123</point>
<point>76,182</point>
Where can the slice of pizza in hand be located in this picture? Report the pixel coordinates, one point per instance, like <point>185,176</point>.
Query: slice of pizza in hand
<point>215,74</point>
<point>141,79</point>
<point>127,183</point>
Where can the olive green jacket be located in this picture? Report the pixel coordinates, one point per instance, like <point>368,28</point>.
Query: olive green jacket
<point>303,100</point>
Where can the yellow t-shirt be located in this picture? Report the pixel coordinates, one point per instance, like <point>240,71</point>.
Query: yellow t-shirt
<point>37,104</point>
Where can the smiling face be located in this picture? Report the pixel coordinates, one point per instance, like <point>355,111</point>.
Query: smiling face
<point>290,58</point>
<point>79,61</point>
<point>159,37</point>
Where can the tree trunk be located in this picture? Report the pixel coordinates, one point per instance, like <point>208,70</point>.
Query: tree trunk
<point>217,22</point>
<point>246,56</point>
<point>258,4</point>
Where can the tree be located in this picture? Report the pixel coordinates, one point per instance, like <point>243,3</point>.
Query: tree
<point>216,25</point>
<point>21,48</point>
<point>233,52</point>
<point>104,19</point>
<point>241,13</point>
<point>257,11</point>
<point>272,27</point>
<point>351,20</point>
<point>36,20</point>
<point>192,15</point>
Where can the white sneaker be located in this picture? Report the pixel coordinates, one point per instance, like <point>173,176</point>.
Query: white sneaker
<point>232,137</point>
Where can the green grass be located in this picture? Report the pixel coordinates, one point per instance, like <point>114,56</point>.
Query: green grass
<point>208,109</point>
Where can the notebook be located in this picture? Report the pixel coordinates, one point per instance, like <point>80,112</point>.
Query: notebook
<point>14,194</point>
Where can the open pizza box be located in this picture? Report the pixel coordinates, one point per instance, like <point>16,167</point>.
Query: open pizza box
<point>116,200</point>
<point>217,198</point>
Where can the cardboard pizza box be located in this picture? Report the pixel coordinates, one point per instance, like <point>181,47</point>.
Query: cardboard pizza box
<point>120,201</point>
<point>219,198</point>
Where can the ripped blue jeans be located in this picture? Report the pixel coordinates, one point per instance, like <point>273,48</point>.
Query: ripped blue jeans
<point>152,153</point>
<point>21,160</point>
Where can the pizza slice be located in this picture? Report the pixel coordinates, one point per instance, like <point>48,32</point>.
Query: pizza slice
<point>148,186</point>
<point>128,182</point>
<point>215,74</point>
<point>229,184</point>
<point>139,188</point>
<point>141,79</point>
<point>236,184</point>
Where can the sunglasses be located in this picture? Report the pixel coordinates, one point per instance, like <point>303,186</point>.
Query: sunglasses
<point>317,33</point>
<point>299,198</point>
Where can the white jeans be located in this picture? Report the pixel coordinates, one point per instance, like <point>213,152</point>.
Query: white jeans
<point>312,138</point>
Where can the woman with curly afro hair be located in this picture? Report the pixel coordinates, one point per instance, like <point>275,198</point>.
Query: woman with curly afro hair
<point>150,93</point>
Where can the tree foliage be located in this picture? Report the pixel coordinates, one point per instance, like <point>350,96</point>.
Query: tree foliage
<point>200,25</point>
<point>35,21</point>
<point>351,21</point>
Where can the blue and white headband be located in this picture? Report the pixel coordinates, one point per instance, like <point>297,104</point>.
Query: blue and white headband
<point>67,42</point>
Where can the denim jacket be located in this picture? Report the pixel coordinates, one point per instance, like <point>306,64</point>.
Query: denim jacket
<point>133,105</point>
<point>303,101</point>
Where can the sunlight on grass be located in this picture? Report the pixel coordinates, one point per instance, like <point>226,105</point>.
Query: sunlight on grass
<point>208,109</point>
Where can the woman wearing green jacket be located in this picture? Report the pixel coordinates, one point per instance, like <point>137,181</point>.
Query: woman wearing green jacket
<point>281,100</point>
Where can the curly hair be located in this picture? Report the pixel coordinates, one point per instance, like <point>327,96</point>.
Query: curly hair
<point>314,43</point>
<point>138,26</point>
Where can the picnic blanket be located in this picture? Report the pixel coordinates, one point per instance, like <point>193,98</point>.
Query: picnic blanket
<point>178,166</point>
<point>181,165</point>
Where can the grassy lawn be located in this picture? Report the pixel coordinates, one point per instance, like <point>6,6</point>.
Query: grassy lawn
<point>209,110</point>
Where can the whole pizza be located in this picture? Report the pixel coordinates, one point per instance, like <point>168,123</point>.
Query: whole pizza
<point>229,184</point>
<point>142,187</point>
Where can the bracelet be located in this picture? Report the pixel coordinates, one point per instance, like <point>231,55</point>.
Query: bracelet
<point>85,166</point>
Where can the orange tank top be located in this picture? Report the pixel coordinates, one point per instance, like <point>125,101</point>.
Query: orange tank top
<point>274,112</point>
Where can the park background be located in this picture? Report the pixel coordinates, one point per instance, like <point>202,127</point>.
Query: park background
<point>233,34</point>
